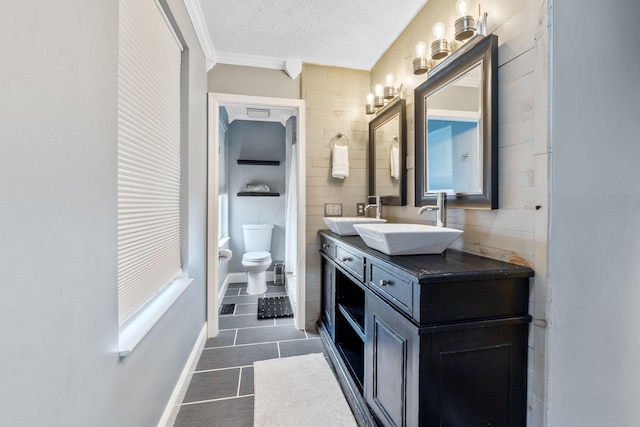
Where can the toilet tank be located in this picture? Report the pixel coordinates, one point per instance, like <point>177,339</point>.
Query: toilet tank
<point>257,237</point>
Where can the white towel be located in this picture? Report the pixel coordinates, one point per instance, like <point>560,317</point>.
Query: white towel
<point>257,188</point>
<point>395,162</point>
<point>340,161</point>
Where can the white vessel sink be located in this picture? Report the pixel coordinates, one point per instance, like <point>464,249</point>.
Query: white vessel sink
<point>343,225</point>
<point>407,239</point>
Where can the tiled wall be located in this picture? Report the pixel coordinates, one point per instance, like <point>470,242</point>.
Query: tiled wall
<point>517,231</point>
<point>334,101</point>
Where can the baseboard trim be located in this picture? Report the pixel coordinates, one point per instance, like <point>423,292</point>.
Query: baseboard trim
<point>242,277</point>
<point>238,278</point>
<point>223,290</point>
<point>173,406</point>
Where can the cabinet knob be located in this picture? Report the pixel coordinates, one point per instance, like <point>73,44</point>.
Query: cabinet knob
<point>326,245</point>
<point>384,282</point>
<point>347,258</point>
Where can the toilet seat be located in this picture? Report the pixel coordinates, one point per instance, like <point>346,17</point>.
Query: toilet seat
<point>256,256</point>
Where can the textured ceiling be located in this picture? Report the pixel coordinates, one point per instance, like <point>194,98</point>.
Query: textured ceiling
<point>345,33</point>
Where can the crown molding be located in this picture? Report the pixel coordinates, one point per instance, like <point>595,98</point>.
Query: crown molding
<point>199,25</point>
<point>292,67</point>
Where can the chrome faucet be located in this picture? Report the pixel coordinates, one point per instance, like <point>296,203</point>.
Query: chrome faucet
<point>440,208</point>
<point>377,205</point>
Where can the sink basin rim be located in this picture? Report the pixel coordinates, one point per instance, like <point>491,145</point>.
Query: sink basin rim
<point>343,225</point>
<point>407,239</point>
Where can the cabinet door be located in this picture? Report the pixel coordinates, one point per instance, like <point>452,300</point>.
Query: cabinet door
<point>480,372</point>
<point>391,365</point>
<point>328,295</point>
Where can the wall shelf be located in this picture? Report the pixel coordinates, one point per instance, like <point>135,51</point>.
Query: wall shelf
<point>259,162</point>
<point>257,194</point>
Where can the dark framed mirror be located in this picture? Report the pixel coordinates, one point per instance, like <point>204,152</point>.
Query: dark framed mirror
<point>456,125</point>
<point>387,154</point>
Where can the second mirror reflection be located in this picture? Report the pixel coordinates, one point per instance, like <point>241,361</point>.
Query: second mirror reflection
<point>387,154</point>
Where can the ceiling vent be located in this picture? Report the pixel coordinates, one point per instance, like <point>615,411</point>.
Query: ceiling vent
<point>258,113</point>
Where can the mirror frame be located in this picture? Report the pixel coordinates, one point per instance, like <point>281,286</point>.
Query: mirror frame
<point>395,107</point>
<point>485,51</point>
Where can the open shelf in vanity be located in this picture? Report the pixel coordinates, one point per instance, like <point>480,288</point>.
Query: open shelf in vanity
<point>349,338</point>
<point>425,340</point>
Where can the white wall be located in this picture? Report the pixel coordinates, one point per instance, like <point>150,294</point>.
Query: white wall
<point>58,298</point>
<point>256,141</point>
<point>517,231</point>
<point>334,99</point>
<point>595,219</point>
<point>253,81</point>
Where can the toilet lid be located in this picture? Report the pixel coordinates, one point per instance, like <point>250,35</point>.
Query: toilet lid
<point>256,256</point>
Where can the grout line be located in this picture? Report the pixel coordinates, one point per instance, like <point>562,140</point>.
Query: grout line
<point>278,344</point>
<point>257,326</point>
<point>222,369</point>
<point>239,381</point>
<point>272,342</point>
<point>260,342</point>
<point>249,314</point>
<point>269,342</point>
<point>215,400</point>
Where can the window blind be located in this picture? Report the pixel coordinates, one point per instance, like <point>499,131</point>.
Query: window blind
<point>148,155</point>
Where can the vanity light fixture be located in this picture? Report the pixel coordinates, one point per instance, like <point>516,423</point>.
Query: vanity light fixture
<point>382,96</point>
<point>378,99</point>
<point>440,46</point>
<point>369,108</point>
<point>481,25</point>
<point>390,90</point>
<point>465,25</point>
<point>421,64</point>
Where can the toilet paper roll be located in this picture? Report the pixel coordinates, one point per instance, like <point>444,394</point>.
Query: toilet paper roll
<point>225,255</point>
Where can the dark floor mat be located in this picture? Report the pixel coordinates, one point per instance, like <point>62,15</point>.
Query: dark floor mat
<point>227,308</point>
<point>274,307</point>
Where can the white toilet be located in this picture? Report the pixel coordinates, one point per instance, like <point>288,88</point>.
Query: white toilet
<point>257,258</point>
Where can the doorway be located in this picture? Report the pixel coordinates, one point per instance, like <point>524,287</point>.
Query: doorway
<point>296,282</point>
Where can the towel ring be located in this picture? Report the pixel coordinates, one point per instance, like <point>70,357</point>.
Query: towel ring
<point>338,138</point>
<point>394,142</point>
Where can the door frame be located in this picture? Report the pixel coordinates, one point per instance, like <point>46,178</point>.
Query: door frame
<point>215,101</point>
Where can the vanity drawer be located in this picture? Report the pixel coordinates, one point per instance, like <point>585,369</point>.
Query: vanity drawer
<point>397,290</point>
<point>353,263</point>
<point>328,246</point>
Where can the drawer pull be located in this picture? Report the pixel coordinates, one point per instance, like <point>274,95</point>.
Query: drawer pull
<point>326,245</point>
<point>384,282</point>
<point>347,259</point>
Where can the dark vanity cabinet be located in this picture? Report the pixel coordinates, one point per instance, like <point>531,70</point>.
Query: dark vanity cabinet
<point>426,340</point>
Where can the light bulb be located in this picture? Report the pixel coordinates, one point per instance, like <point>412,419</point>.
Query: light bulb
<point>378,89</point>
<point>421,48</point>
<point>438,30</point>
<point>370,98</point>
<point>389,79</point>
<point>462,6</point>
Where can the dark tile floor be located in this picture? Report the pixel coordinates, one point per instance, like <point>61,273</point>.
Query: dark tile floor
<point>221,391</point>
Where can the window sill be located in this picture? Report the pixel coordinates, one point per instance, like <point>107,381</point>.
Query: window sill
<point>135,329</point>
